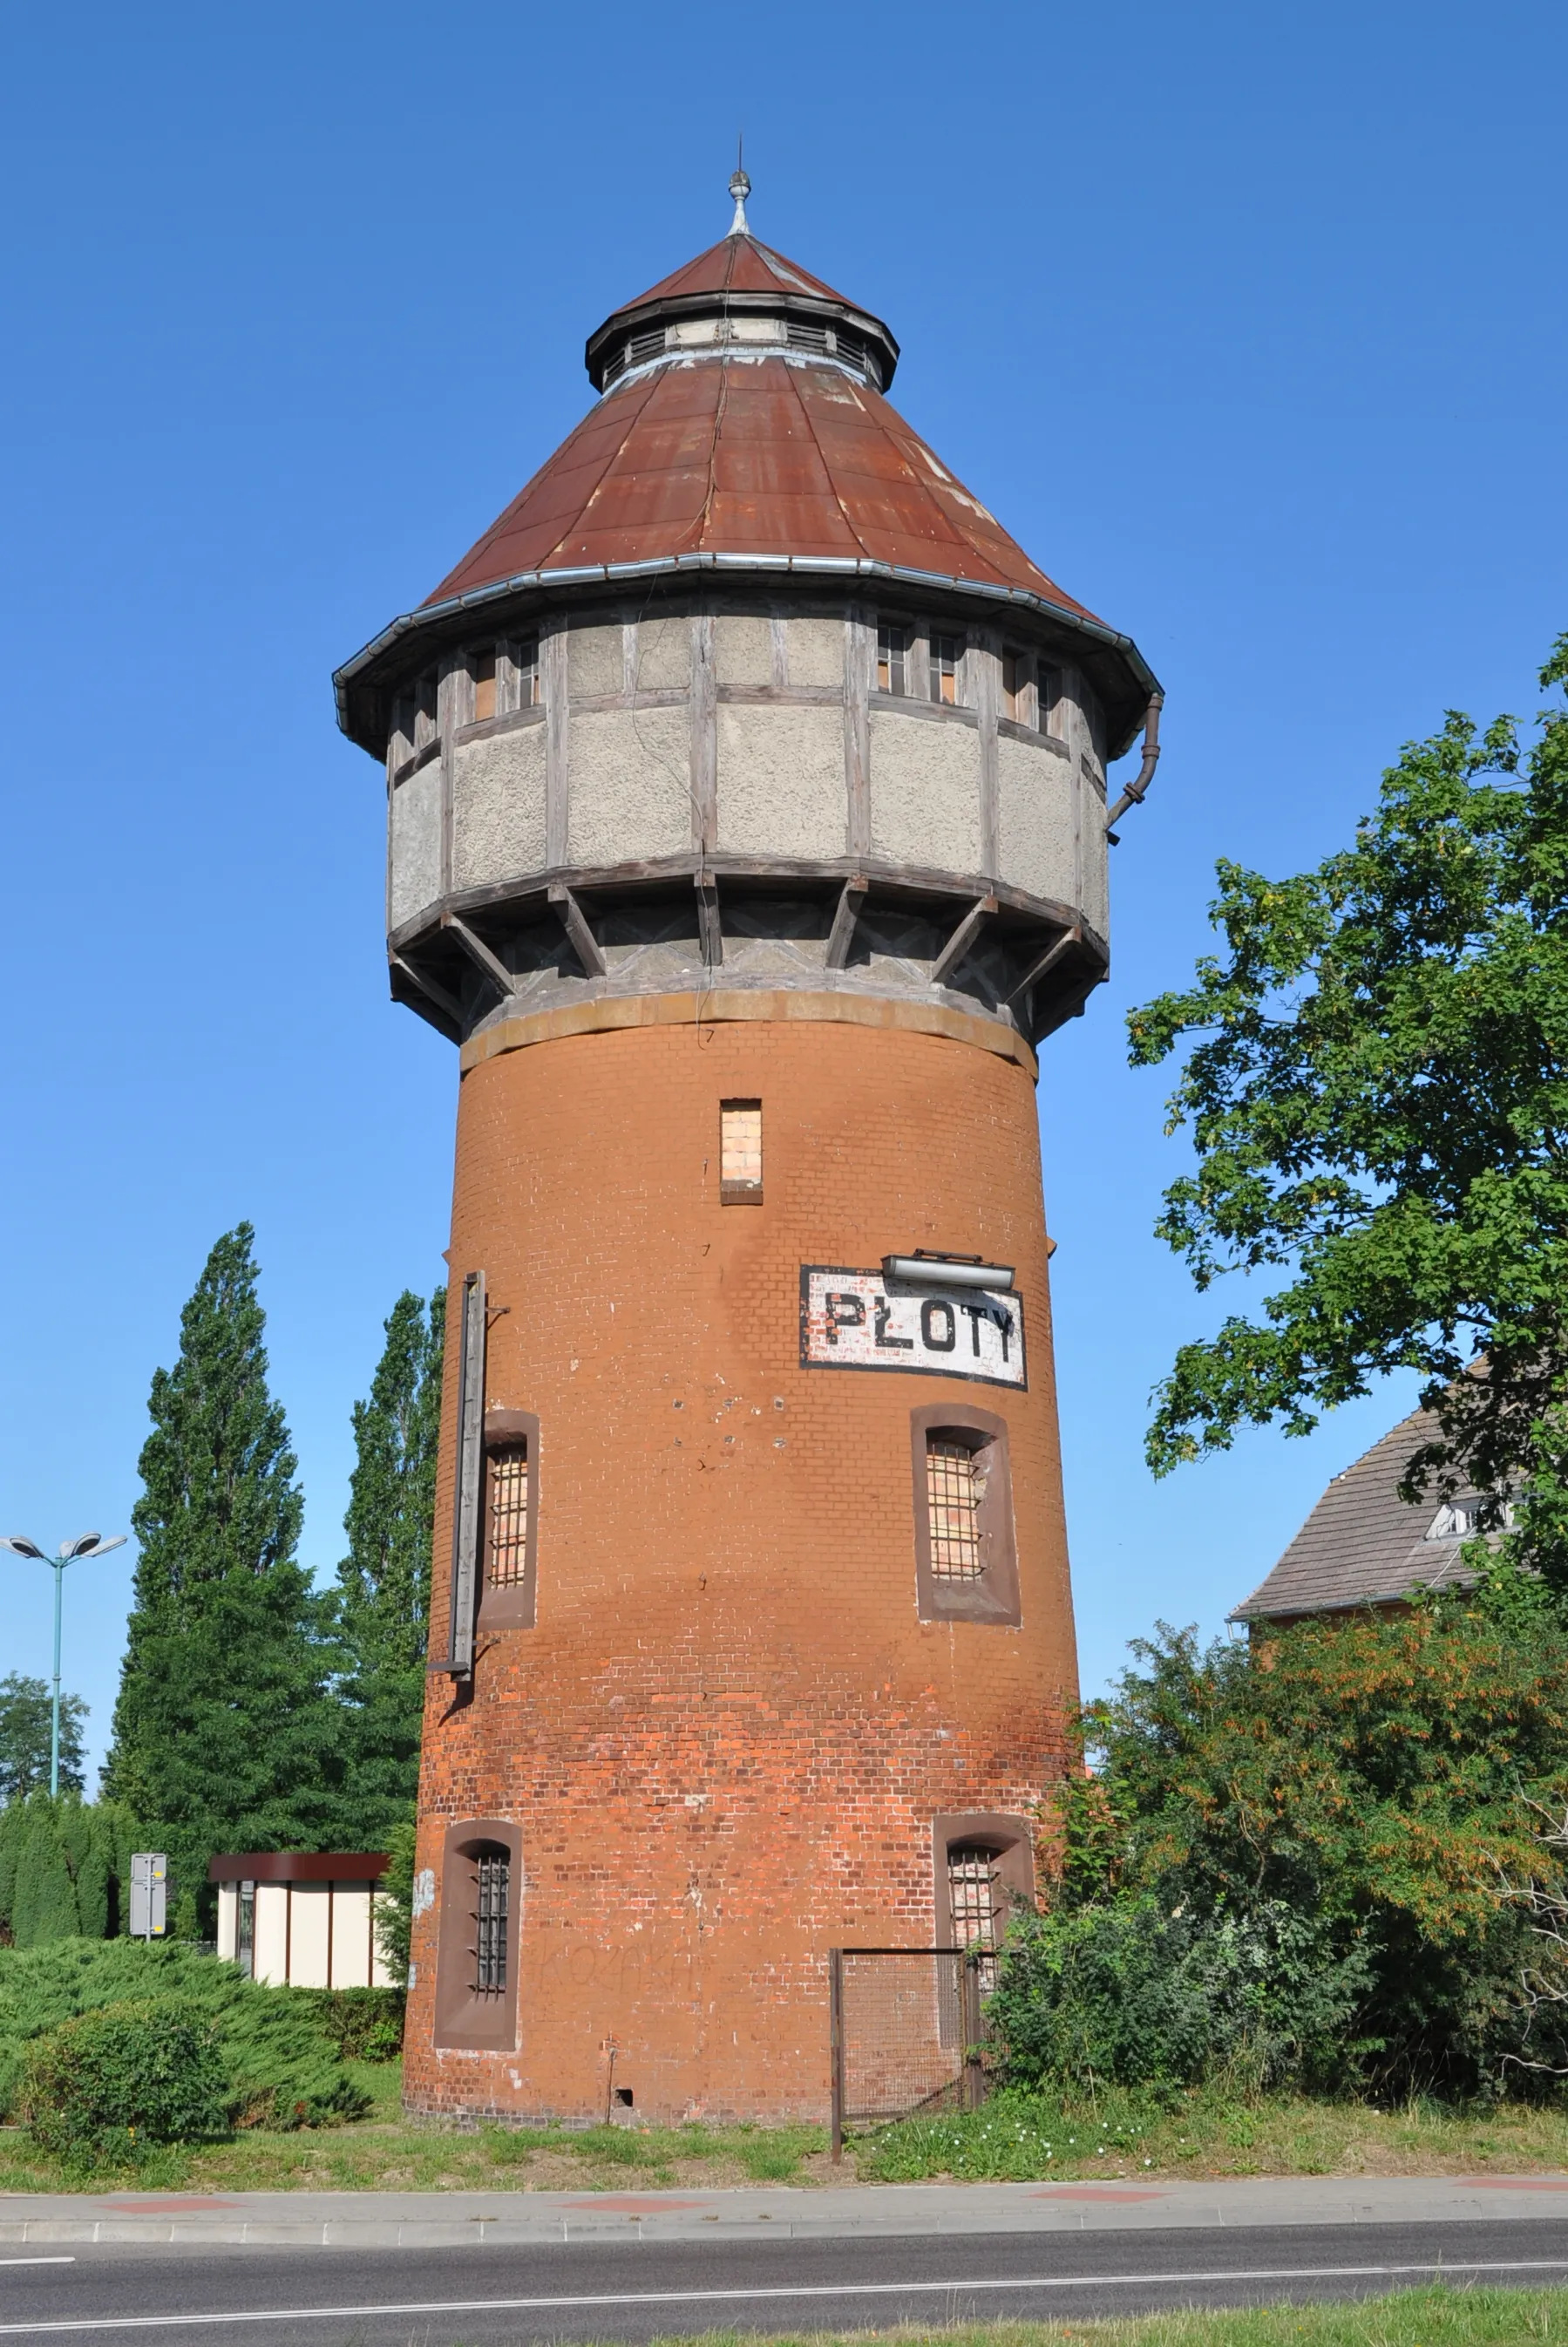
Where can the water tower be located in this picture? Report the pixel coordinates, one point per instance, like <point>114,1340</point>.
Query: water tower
<point>747,835</point>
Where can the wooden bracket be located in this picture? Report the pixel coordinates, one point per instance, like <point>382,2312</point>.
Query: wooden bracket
<point>574,921</point>
<point>447,1004</point>
<point>710,927</point>
<point>841,936</point>
<point>488,964</point>
<point>1047,961</point>
<point>962,940</point>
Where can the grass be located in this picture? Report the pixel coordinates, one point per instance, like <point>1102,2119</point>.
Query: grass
<point>1016,2138</point>
<point>1434,2317</point>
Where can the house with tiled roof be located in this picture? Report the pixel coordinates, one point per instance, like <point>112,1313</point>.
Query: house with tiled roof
<point>1365,1545</point>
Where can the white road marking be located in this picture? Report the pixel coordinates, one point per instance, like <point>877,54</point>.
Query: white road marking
<point>38,2261</point>
<point>1438,2267</point>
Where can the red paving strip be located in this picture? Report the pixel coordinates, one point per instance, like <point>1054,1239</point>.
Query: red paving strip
<point>165,2207</point>
<point>633,2204</point>
<point>1096,2192</point>
<point>1517,2183</point>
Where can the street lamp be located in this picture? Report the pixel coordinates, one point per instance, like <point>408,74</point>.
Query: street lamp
<point>88,1545</point>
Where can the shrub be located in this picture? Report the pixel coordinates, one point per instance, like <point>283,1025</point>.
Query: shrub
<point>1126,1995</point>
<point>365,2025</point>
<point>104,2089</point>
<point>279,2068</point>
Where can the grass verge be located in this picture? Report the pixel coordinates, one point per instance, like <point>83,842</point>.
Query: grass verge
<point>1434,2317</point>
<point>1016,2138</point>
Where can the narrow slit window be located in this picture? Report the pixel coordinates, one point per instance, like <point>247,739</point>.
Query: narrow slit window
<point>946,653</point>
<point>525,663</point>
<point>508,1544</point>
<point>484,685</point>
<point>955,1487</point>
<point>740,1153</point>
<point>1015,685</point>
<point>892,658</point>
<point>492,1885</point>
<point>1048,693</point>
<point>427,694</point>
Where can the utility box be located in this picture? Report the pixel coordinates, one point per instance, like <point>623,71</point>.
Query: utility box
<point>149,1894</point>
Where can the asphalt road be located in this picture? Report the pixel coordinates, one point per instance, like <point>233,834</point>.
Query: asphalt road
<point>480,2296</point>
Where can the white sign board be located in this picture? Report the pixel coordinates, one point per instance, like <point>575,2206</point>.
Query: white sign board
<point>149,1894</point>
<point>860,1320</point>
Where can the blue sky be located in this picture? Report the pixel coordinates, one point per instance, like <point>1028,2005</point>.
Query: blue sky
<point>1247,322</point>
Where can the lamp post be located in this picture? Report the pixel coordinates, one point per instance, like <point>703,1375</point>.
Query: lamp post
<point>88,1545</point>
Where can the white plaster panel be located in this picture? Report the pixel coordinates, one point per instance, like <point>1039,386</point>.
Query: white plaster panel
<point>307,1936</point>
<point>351,1935</point>
<point>926,792</point>
<point>631,784</point>
<point>498,807</point>
<point>594,662</point>
<point>228,1919</point>
<point>663,653</point>
<point>271,1954</point>
<point>743,649</point>
<point>1034,819</point>
<point>1096,864</point>
<point>782,788</point>
<point>379,1972</point>
<point>415,820</point>
<point>814,652</point>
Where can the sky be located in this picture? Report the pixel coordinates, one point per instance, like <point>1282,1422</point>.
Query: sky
<point>1246,322</point>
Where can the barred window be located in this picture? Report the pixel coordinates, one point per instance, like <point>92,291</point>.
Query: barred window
<point>974,1888</point>
<point>954,1486</point>
<point>892,658</point>
<point>484,668</point>
<point>740,1152</point>
<point>508,1544</point>
<point>493,1883</point>
<point>946,653</point>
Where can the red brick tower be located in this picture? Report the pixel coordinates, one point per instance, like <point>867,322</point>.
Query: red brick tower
<point>747,819</point>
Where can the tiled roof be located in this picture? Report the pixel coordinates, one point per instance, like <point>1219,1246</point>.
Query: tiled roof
<point>1362,1544</point>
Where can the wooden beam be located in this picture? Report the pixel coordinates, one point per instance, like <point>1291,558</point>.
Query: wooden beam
<point>489,964</point>
<point>841,936</point>
<point>962,940</point>
<point>710,927</point>
<point>573,920</point>
<point>1046,962</point>
<point>447,1004</point>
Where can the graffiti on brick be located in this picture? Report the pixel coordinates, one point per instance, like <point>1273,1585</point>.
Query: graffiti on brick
<point>860,1320</point>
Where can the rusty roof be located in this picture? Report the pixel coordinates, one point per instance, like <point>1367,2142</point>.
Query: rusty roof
<point>748,455</point>
<point>743,456</point>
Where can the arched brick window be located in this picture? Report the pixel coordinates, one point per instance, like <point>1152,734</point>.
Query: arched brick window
<point>966,1562</point>
<point>477,1953</point>
<point>508,1575</point>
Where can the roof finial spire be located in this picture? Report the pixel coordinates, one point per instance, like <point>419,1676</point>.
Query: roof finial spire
<point>739,187</point>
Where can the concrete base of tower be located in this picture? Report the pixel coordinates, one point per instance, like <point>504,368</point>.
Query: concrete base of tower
<point>775,1612</point>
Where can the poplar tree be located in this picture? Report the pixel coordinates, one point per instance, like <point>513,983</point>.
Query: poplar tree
<point>224,1733</point>
<point>384,1581</point>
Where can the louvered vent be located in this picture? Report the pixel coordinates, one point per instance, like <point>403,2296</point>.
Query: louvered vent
<point>807,338</point>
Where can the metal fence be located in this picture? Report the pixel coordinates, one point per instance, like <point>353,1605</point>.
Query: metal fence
<point>908,2032</point>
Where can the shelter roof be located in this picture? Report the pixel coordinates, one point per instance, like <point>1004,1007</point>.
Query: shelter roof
<point>1363,1544</point>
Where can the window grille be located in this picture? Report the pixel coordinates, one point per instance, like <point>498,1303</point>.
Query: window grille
<point>972,1887</point>
<point>946,653</point>
<point>955,1485</point>
<point>508,1515</point>
<point>483,665</point>
<point>740,1151</point>
<point>493,1873</point>
<point>892,655</point>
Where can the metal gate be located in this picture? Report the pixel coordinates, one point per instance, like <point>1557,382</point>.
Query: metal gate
<point>908,2032</point>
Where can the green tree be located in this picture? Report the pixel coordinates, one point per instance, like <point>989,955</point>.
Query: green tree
<point>225,1736</point>
<point>383,1583</point>
<point>25,1726</point>
<point>65,1868</point>
<point>1377,1086</point>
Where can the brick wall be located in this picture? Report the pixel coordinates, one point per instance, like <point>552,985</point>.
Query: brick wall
<point>726,1738</point>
